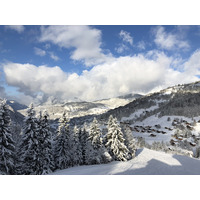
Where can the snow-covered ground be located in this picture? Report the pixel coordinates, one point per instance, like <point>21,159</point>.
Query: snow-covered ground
<point>139,112</point>
<point>152,121</point>
<point>146,162</point>
<point>163,122</point>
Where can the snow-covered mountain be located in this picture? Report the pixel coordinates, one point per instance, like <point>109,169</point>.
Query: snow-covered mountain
<point>78,108</point>
<point>146,162</point>
<point>15,105</point>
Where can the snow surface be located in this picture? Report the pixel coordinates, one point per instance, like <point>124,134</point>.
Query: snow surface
<point>139,112</point>
<point>146,162</point>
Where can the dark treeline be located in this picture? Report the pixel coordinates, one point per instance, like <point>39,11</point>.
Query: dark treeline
<point>42,151</point>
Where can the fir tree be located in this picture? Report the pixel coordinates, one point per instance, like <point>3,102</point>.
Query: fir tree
<point>96,152</point>
<point>76,147</point>
<point>130,143</point>
<point>115,141</point>
<point>6,142</point>
<point>83,135</point>
<point>45,145</point>
<point>29,147</point>
<point>62,145</point>
<point>90,153</point>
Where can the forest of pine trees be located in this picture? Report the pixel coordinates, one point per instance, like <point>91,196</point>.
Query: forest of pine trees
<point>41,151</point>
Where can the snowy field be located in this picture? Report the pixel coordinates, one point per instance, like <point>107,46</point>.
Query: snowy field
<point>146,162</point>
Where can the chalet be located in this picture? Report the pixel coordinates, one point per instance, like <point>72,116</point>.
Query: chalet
<point>180,138</point>
<point>152,135</point>
<point>189,127</point>
<point>192,144</point>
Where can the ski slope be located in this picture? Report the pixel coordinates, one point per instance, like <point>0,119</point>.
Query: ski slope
<point>146,162</point>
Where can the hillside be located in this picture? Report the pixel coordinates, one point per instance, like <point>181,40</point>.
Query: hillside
<point>169,101</point>
<point>146,162</point>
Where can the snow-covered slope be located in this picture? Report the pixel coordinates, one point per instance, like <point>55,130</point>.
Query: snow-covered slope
<point>147,162</point>
<point>157,116</point>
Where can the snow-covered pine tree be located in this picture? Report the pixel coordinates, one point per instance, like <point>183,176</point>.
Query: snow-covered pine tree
<point>94,144</point>
<point>62,144</point>
<point>7,147</point>
<point>110,121</point>
<point>76,147</point>
<point>90,153</point>
<point>45,145</point>
<point>83,135</point>
<point>130,143</point>
<point>96,153</point>
<point>115,141</point>
<point>95,134</point>
<point>29,147</point>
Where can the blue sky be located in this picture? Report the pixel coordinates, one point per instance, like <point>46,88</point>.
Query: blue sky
<point>95,62</point>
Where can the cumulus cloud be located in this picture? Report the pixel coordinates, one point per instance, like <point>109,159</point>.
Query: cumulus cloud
<point>126,37</point>
<point>18,28</point>
<point>39,51</point>
<point>84,41</point>
<point>168,41</point>
<point>141,73</point>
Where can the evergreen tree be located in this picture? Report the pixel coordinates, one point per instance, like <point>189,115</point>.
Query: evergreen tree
<point>95,134</point>
<point>130,143</point>
<point>62,145</point>
<point>7,147</point>
<point>29,151</point>
<point>45,145</point>
<point>76,147</point>
<point>115,141</point>
<point>90,153</point>
<point>96,152</point>
<point>110,121</point>
<point>83,135</point>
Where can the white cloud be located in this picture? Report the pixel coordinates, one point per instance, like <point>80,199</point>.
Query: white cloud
<point>121,48</point>
<point>53,56</point>
<point>192,66</point>
<point>140,74</point>
<point>84,41</point>
<point>141,45</point>
<point>18,28</point>
<point>39,51</point>
<point>126,37</point>
<point>169,41</point>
